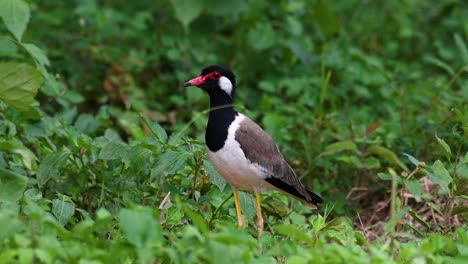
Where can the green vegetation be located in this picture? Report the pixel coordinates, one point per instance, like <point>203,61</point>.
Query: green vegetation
<point>101,150</point>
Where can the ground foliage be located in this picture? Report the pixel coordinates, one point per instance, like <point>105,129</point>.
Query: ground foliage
<point>101,149</point>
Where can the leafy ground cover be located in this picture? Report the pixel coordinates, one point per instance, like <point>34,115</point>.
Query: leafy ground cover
<point>101,151</point>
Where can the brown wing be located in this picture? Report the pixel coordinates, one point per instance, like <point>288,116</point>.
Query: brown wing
<point>260,148</point>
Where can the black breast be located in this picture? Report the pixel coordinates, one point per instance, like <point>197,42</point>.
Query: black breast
<point>217,129</point>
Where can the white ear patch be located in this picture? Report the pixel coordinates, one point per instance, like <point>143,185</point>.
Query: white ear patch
<point>225,84</point>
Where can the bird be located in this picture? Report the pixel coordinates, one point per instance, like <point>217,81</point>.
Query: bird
<point>241,151</point>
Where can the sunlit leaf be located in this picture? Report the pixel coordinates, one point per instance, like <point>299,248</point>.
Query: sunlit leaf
<point>19,83</point>
<point>415,188</point>
<point>15,14</point>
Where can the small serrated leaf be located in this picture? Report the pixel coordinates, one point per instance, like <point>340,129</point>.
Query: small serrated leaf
<point>445,148</point>
<point>247,205</point>
<point>63,210</point>
<point>170,161</point>
<point>114,150</point>
<point>155,128</point>
<point>51,165</point>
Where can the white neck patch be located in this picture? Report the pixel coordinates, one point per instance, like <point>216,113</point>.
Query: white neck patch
<point>225,84</point>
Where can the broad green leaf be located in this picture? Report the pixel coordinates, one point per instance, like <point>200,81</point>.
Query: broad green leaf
<point>387,155</point>
<point>261,36</point>
<point>63,210</point>
<point>19,83</point>
<point>247,204</point>
<point>340,146</point>
<point>186,11</point>
<point>38,55</point>
<point>465,159</point>
<point>171,161</point>
<point>214,176</point>
<point>139,159</point>
<point>415,188</point>
<point>155,128</point>
<point>440,175</point>
<point>15,14</point>
<point>445,148</point>
<point>140,227</point>
<point>114,150</point>
<point>51,165</point>
<point>12,185</point>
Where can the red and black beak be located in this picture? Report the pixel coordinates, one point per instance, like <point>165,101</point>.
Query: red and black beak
<point>197,81</point>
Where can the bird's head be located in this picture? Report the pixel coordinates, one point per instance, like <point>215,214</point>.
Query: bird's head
<point>214,80</point>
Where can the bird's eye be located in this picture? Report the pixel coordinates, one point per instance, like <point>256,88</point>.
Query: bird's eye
<point>216,75</point>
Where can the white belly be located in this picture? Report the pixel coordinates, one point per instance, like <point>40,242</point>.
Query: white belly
<point>231,163</point>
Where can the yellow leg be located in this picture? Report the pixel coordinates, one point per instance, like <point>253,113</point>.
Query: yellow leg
<point>259,214</point>
<point>240,220</point>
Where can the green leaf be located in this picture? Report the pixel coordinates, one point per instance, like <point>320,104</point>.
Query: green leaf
<point>387,155</point>
<point>412,159</point>
<point>416,217</point>
<point>19,83</point>
<point>114,150</point>
<point>445,148</point>
<point>16,147</point>
<point>214,176</point>
<point>63,210</point>
<point>15,14</point>
<point>38,55</point>
<point>325,18</point>
<point>186,11</point>
<point>155,128</point>
<point>196,218</point>
<point>247,205</point>
<point>415,188</point>
<point>11,224</point>
<point>51,165</point>
<point>440,175</point>
<point>294,233</point>
<point>12,185</point>
<point>139,159</point>
<point>340,146</point>
<point>171,161</point>
<point>140,227</point>
<point>465,159</point>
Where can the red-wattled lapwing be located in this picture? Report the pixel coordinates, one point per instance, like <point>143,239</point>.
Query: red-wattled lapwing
<point>239,149</point>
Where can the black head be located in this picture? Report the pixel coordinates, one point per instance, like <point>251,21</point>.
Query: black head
<point>215,79</point>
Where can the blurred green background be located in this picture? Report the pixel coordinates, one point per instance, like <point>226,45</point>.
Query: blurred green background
<point>355,93</point>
